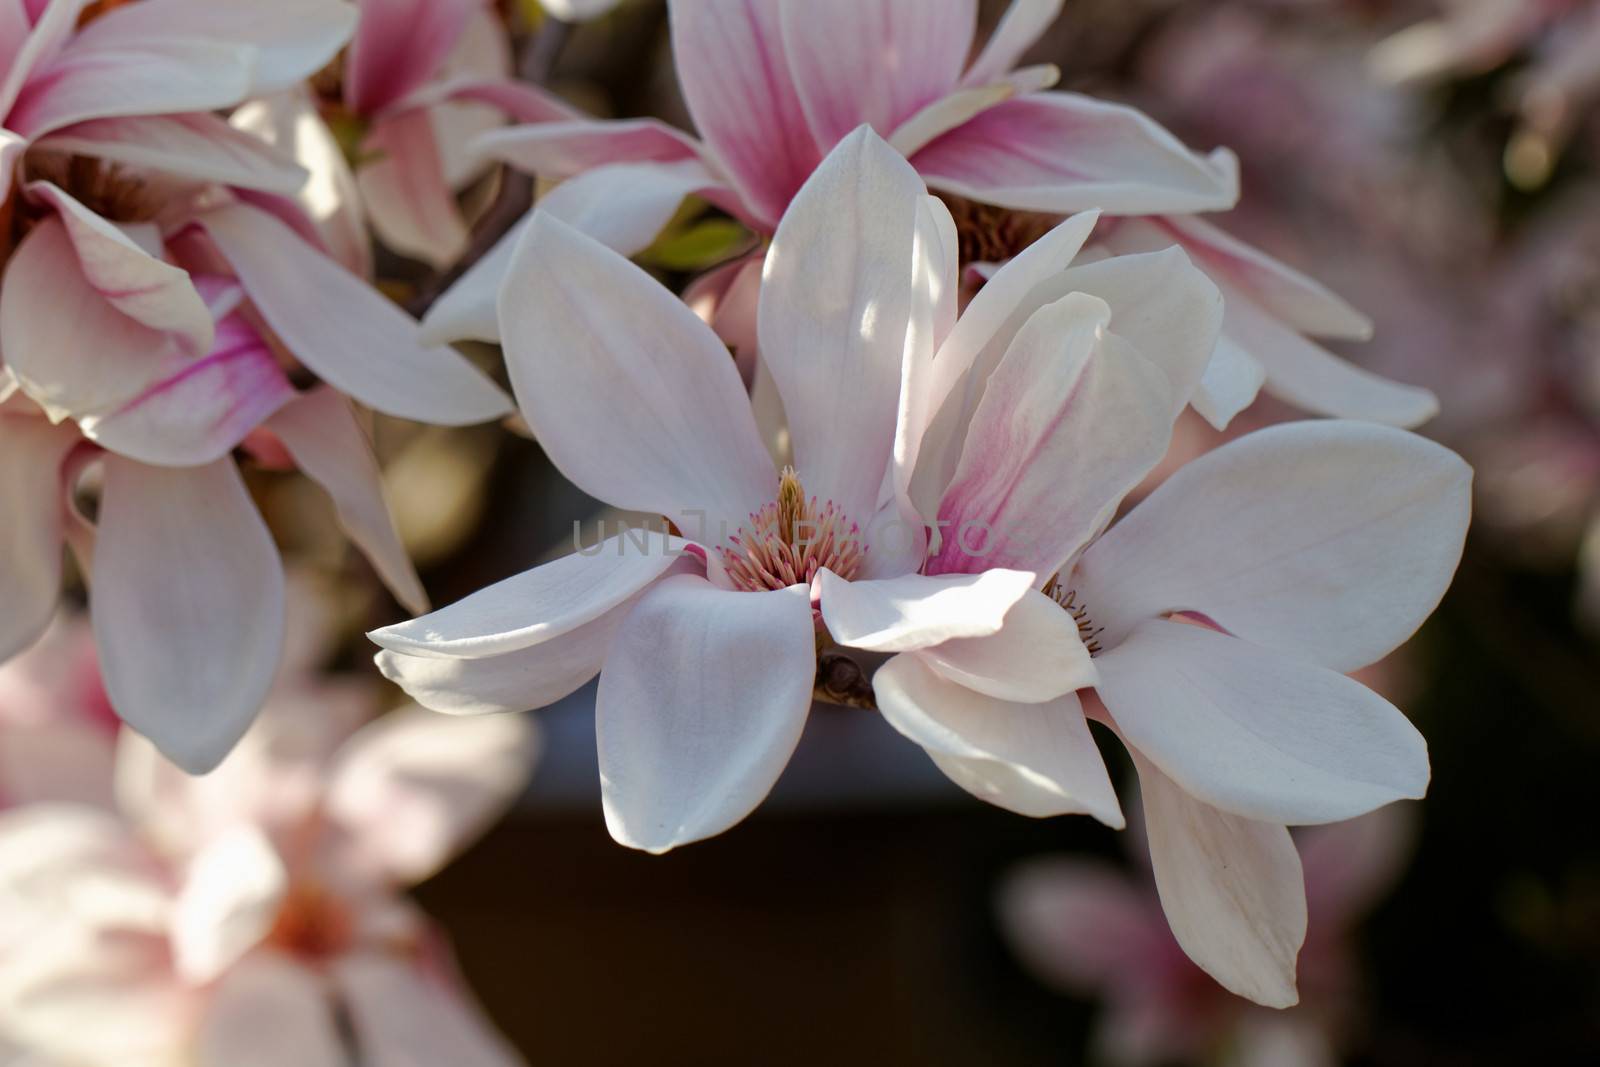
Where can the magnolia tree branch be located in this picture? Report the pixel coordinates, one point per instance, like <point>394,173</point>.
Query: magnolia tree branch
<point>537,58</point>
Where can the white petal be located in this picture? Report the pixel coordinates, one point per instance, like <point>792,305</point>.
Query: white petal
<point>227,903</point>
<point>413,789</point>
<point>197,145</point>
<point>518,680</point>
<point>1034,759</point>
<point>1070,421</point>
<point>1327,540</point>
<point>536,605</point>
<point>634,398</point>
<point>1023,23</point>
<point>702,699</point>
<point>1310,377</point>
<point>327,443</point>
<point>1037,655</point>
<point>187,606</point>
<point>625,206</point>
<point>836,296</point>
<point>405,1017</point>
<point>918,611</point>
<point>97,76</point>
<point>268,1011</point>
<point>1231,888</point>
<point>288,39</point>
<point>346,331</point>
<point>1229,385</point>
<point>1256,733</point>
<point>31,526</point>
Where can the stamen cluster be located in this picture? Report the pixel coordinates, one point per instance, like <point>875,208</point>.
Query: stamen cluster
<point>1068,599</point>
<point>789,540</point>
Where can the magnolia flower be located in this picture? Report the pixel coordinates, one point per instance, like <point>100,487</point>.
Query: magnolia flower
<point>1218,616</point>
<point>773,86</point>
<point>145,314</point>
<point>233,919</point>
<point>706,644</point>
<point>422,78</point>
<point>1089,929</point>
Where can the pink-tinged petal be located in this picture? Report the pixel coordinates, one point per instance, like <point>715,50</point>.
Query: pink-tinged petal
<point>402,1015</point>
<point>1338,564</point>
<point>536,605</point>
<point>1037,655</point>
<point>328,445</point>
<point>31,526</point>
<point>52,26</point>
<point>702,700</point>
<point>1230,384</point>
<point>187,606</point>
<point>227,903</point>
<point>1231,888</point>
<point>1070,421</point>
<point>744,98</point>
<point>1255,733</point>
<point>1063,152</point>
<point>84,355</point>
<point>520,680</point>
<point>151,292</point>
<point>1086,927</point>
<point>634,398</point>
<point>202,412</point>
<point>398,45</point>
<point>515,100</point>
<point>411,205</point>
<point>1034,759</point>
<point>268,1011</point>
<point>1023,23</point>
<point>725,298</point>
<point>287,40</point>
<point>1310,377</point>
<point>972,348</point>
<point>872,61</point>
<point>1001,297</point>
<point>57,763</point>
<point>947,113</point>
<point>413,789</point>
<point>329,198</point>
<point>1288,295</point>
<point>198,145</point>
<point>836,302</point>
<point>147,76</point>
<point>349,334</point>
<point>561,149</point>
<point>918,611</point>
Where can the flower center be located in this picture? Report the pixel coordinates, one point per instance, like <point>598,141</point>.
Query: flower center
<point>313,923</point>
<point>989,234</point>
<point>1088,632</point>
<point>789,540</point>
<point>105,188</point>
